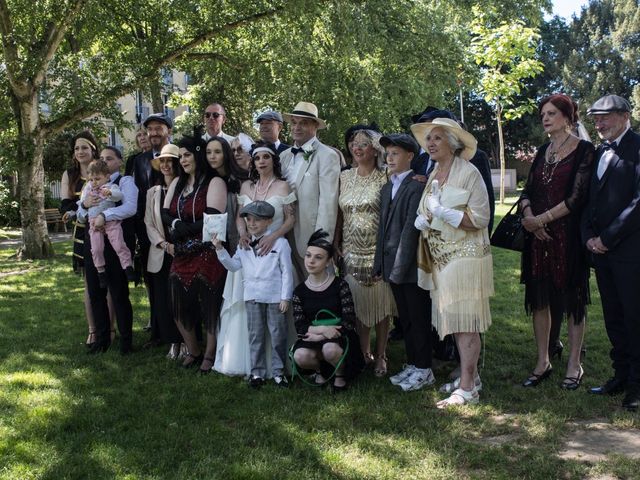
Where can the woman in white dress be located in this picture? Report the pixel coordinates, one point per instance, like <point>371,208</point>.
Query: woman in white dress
<point>265,183</point>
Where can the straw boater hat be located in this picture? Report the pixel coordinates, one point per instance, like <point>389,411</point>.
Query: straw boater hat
<point>305,110</point>
<point>168,151</point>
<point>470,144</point>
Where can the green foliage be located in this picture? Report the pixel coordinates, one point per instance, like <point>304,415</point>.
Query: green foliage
<point>9,211</point>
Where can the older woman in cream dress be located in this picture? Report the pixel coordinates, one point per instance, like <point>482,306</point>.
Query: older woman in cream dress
<point>456,264</point>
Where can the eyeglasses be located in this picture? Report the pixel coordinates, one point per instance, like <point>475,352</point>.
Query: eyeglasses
<point>213,114</point>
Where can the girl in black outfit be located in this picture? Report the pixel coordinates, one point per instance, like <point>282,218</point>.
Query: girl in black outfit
<point>320,348</point>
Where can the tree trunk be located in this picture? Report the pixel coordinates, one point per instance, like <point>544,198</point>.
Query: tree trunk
<point>29,156</point>
<point>155,88</point>
<point>501,143</point>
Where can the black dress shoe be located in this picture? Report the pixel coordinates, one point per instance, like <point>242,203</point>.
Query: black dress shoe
<point>613,386</point>
<point>631,400</point>
<point>535,379</point>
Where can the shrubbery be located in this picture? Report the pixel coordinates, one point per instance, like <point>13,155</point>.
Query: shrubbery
<point>9,210</point>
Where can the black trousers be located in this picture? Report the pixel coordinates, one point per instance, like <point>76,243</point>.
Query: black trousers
<point>619,282</point>
<point>163,327</point>
<point>119,289</point>
<point>414,314</point>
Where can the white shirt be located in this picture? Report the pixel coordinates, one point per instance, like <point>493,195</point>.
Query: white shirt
<point>228,138</point>
<point>267,279</point>
<point>396,181</point>
<point>608,156</point>
<point>297,161</point>
<point>129,200</point>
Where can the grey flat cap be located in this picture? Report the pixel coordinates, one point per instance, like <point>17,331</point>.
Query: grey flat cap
<point>258,209</point>
<point>402,140</point>
<point>270,115</point>
<point>608,104</point>
<point>158,117</point>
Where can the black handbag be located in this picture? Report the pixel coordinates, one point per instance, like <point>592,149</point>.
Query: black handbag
<point>510,233</point>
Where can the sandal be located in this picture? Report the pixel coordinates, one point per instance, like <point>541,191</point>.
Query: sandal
<point>572,383</point>
<point>204,371</point>
<point>91,338</point>
<point>450,387</point>
<point>339,388</point>
<point>460,397</point>
<point>380,367</point>
<point>195,360</point>
<point>368,359</point>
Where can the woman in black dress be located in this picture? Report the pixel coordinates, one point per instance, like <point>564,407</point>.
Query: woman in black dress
<point>320,348</point>
<point>84,151</point>
<point>554,265</point>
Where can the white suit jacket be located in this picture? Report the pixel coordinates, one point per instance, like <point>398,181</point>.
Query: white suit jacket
<point>316,188</point>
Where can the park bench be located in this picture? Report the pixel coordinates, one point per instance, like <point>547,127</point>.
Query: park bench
<point>52,216</point>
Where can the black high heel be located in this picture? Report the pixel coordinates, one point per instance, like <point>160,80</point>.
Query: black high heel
<point>339,388</point>
<point>556,350</point>
<point>535,379</point>
<point>196,360</point>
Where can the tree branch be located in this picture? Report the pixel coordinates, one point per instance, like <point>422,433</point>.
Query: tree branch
<point>10,50</point>
<point>56,126</point>
<point>51,41</point>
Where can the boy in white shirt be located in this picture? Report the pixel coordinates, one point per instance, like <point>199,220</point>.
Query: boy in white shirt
<point>268,288</point>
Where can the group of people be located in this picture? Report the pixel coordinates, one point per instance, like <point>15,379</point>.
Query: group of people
<point>309,253</point>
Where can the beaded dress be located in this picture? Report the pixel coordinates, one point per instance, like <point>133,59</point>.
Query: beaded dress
<point>71,204</point>
<point>359,202</point>
<point>556,272</point>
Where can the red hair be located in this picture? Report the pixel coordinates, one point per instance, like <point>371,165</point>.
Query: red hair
<point>564,103</point>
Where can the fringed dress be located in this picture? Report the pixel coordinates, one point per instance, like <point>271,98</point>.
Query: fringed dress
<point>359,202</point>
<point>71,205</point>
<point>197,277</point>
<point>556,272</point>
<point>460,261</point>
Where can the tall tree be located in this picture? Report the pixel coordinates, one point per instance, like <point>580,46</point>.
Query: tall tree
<point>506,55</point>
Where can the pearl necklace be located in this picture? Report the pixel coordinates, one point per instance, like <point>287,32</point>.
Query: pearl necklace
<point>263,193</point>
<point>318,287</point>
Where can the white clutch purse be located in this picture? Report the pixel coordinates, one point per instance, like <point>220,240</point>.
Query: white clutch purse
<point>214,224</point>
<point>451,197</point>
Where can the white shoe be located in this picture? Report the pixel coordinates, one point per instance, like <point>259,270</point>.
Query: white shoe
<point>420,377</point>
<point>460,397</point>
<point>398,378</point>
<point>450,387</point>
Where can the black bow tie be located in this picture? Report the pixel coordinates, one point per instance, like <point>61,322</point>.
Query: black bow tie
<point>296,150</point>
<point>609,146</point>
<point>254,243</point>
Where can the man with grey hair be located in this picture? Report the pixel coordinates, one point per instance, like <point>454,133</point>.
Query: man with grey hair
<point>214,118</point>
<point>270,126</point>
<point>611,233</point>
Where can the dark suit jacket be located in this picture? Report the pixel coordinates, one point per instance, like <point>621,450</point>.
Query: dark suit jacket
<point>282,147</point>
<point>613,210</point>
<point>397,245</point>
<point>139,167</point>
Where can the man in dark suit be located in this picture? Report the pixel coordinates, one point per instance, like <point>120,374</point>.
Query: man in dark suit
<point>270,126</point>
<point>611,233</point>
<point>396,260</point>
<point>158,128</point>
<point>117,282</point>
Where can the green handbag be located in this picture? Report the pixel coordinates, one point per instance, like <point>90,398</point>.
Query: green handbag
<point>332,321</point>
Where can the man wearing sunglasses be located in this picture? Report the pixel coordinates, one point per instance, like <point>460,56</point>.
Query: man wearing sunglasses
<point>214,118</point>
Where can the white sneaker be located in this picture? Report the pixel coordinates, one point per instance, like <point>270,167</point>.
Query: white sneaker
<point>420,377</point>
<point>450,387</point>
<point>398,378</point>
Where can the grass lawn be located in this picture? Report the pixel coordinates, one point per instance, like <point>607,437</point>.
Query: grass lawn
<point>67,415</point>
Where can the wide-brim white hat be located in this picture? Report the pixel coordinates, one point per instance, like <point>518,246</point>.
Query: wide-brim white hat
<point>168,151</point>
<point>421,130</point>
<point>305,110</point>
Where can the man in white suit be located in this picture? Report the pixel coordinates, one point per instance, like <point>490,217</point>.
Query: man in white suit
<point>313,171</point>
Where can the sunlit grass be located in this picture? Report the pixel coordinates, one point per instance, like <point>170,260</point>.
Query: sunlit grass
<point>64,414</point>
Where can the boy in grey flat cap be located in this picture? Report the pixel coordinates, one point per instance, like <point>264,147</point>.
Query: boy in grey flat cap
<point>268,289</point>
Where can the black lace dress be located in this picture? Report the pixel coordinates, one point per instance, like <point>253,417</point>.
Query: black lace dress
<point>556,272</point>
<point>71,205</point>
<point>336,298</point>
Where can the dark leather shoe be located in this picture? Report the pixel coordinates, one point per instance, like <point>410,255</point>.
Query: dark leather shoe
<point>631,401</point>
<point>613,386</point>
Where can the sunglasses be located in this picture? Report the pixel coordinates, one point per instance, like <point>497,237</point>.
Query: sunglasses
<point>213,114</point>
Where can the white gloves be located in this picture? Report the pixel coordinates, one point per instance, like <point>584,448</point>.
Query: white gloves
<point>448,215</point>
<point>421,222</point>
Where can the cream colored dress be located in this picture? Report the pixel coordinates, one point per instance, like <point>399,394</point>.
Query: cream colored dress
<point>359,202</point>
<point>461,277</point>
